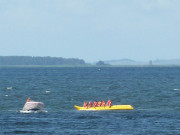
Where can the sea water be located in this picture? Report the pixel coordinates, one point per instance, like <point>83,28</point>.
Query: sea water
<point>154,92</point>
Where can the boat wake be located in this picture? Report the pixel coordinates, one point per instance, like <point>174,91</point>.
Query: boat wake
<point>31,111</point>
<point>9,88</point>
<point>176,89</point>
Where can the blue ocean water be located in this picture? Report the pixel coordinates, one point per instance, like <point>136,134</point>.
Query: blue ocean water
<point>154,92</point>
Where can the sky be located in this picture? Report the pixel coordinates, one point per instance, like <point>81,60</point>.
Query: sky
<point>92,30</point>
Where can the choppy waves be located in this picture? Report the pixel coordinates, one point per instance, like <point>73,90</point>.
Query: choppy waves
<point>153,92</point>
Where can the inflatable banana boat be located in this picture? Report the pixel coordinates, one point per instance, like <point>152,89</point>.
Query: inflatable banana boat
<point>113,107</point>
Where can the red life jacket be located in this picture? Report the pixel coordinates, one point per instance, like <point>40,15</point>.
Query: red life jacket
<point>109,102</point>
<point>90,104</point>
<point>103,103</point>
<point>99,103</point>
<point>95,103</point>
<point>28,100</point>
<point>85,104</point>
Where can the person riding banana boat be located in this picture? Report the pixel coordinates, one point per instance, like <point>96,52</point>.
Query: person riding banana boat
<point>102,105</point>
<point>97,104</point>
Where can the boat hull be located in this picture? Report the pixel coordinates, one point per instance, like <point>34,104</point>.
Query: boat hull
<point>33,106</point>
<point>114,107</point>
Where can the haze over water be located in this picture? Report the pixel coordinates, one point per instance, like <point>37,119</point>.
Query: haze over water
<point>153,92</point>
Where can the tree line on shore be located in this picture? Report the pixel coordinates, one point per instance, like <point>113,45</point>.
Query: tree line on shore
<point>30,60</point>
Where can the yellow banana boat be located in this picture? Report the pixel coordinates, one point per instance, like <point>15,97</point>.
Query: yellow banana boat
<point>113,107</point>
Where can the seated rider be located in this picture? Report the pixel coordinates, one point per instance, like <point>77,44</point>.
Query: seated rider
<point>103,103</point>
<point>90,104</point>
<point>85,104</point>
<point>109,103</point>
<point>95,104</point>
<point>99,103</point>
<point>28,100</point>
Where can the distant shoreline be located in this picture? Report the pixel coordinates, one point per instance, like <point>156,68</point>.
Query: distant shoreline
<point>84,66</point>
<point>37,61</point>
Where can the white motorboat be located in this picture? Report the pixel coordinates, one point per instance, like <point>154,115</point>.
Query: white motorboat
<point>33,106</point>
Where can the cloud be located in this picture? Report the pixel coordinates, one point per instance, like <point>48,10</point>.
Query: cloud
<point>81,25</point>
<point>150,5</point>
